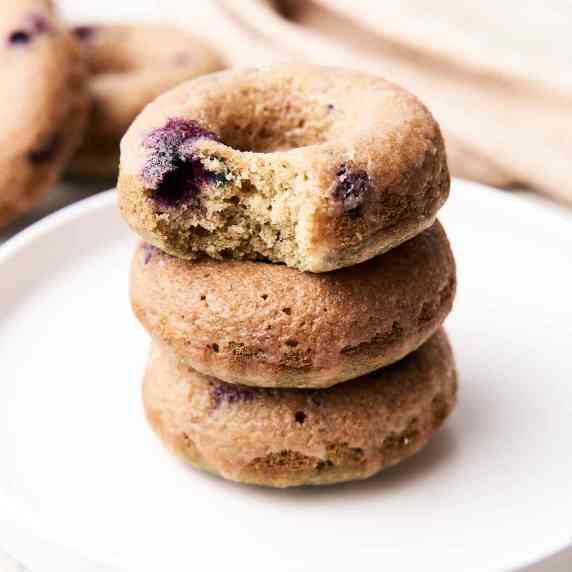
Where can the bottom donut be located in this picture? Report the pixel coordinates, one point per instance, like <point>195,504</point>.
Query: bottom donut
<point>292,437</point>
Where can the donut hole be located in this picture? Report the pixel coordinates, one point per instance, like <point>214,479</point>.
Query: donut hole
<point>282,123</point>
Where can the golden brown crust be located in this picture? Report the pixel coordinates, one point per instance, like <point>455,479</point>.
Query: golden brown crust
<point>319,168</point>
<point>130,65</point>
<point>268,325</point>
<point>293,437</point>
<point>44,87</point>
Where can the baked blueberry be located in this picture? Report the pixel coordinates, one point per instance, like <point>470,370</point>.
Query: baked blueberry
<point>351,189</point>
<point>173,173</point>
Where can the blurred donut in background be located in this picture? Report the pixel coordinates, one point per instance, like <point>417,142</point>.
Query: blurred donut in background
<point>43,103</point>
<point>130,65</point>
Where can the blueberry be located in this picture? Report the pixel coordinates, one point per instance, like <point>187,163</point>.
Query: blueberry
<point>230,393</point>
<point>182,184</point>
<point>173,174</point>
<point>351,189</point>
<point>19,38</point>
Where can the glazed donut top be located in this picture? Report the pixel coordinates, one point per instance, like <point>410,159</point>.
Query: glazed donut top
<point>350,153</point>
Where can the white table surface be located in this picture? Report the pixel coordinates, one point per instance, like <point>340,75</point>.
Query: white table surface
<point>36,554</point>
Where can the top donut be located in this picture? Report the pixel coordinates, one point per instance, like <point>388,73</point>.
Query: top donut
<point>315,167</point>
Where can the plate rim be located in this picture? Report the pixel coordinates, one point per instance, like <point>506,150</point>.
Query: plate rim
<point>53,220</point>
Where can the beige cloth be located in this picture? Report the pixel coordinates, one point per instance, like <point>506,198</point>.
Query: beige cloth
<point>496,74</point>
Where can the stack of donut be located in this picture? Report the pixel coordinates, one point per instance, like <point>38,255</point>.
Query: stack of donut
<point>69,94</point>
<point>293,276</point>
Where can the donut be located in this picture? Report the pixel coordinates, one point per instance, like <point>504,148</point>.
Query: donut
<point>268,325</point>
<point>315,167</point>
<point>292,437</point>
<point>130,65</point>
<point>44,103</point>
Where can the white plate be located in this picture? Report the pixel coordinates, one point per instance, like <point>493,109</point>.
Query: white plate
<point>79,465</point>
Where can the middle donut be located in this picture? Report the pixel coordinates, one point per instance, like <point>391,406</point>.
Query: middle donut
<point>269,325</point>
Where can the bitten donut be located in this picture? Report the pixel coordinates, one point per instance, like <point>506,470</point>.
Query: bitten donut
<point>268,325</point>
<point>43,101</point>
<point>294,437</point>
<point>129,67</point>
<point>316,167</point>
